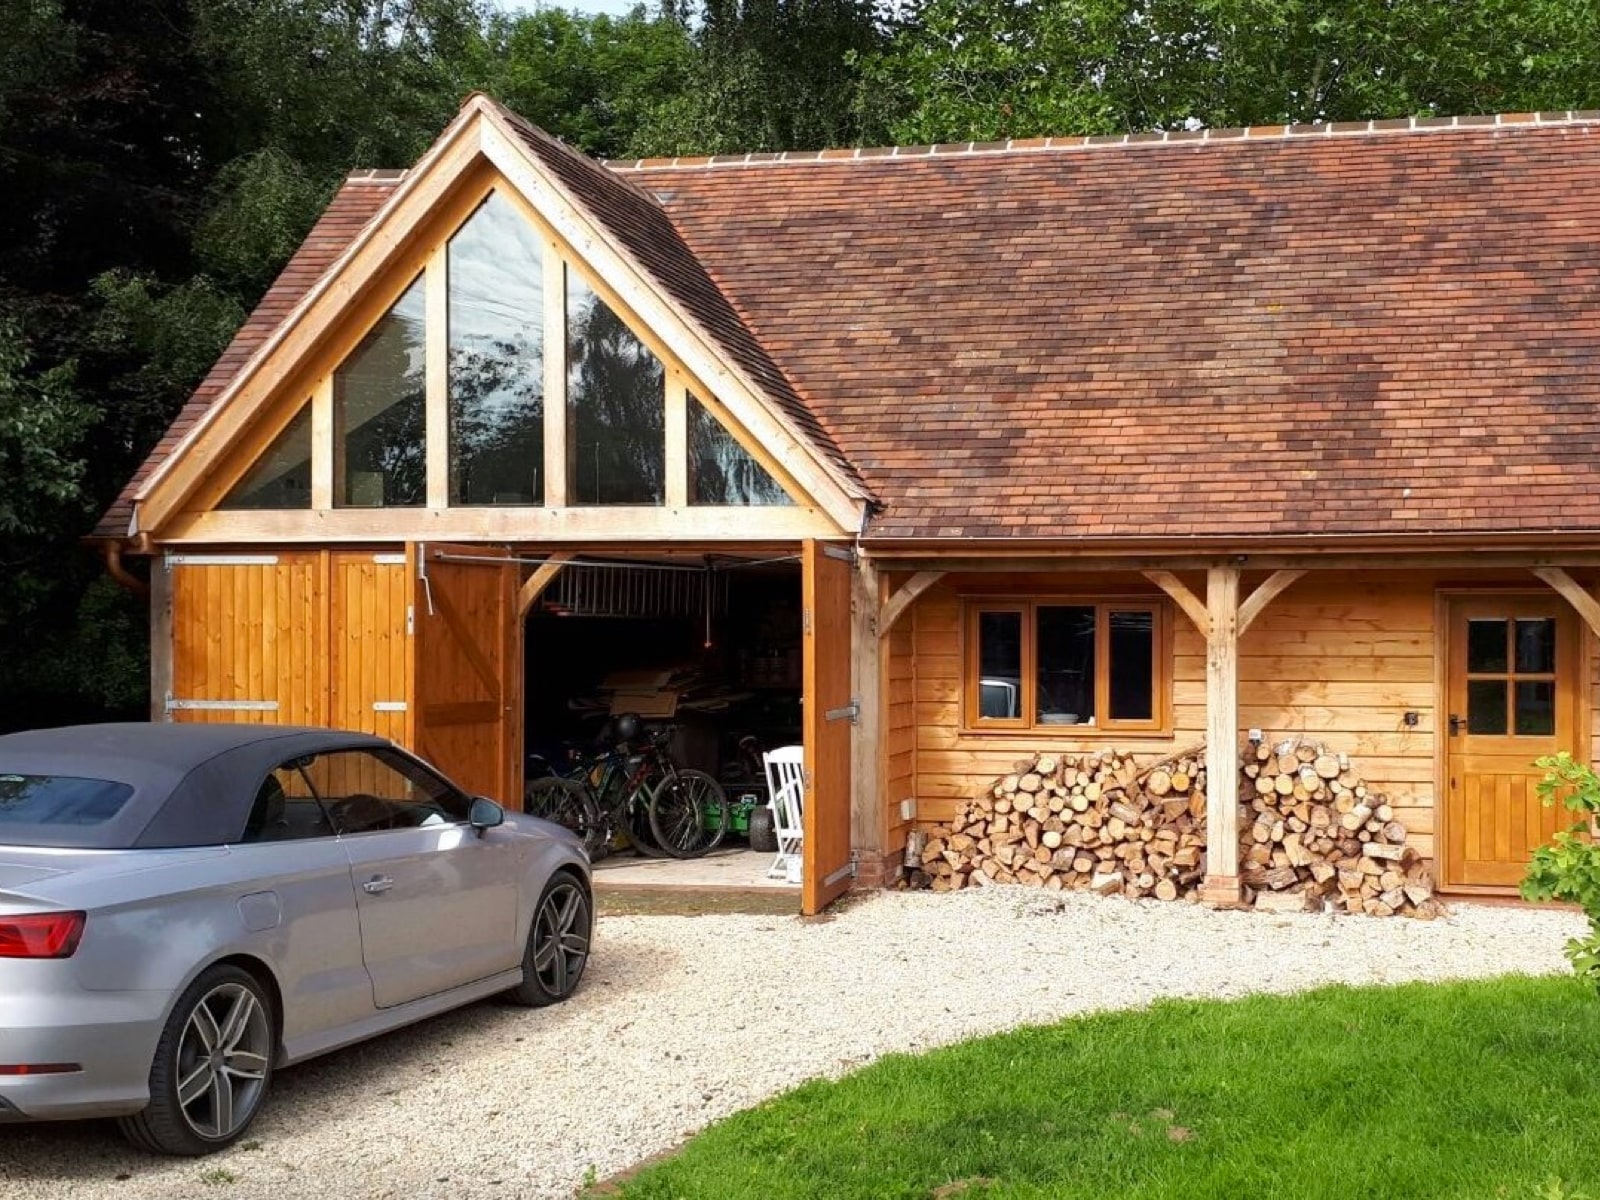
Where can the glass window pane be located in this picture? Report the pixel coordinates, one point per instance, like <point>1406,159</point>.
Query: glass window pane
<point>378,412</point>
<point>1536,707</point>
<point>496,273</point>
<point>1066,664</point>
<point>1536,647</point>
<point>365,791</point>
<point>1486,706</point>
<point>721,471</point>
<point>1000,665</point>
<point>1132,666</point>
<point>616,400</point>
<point>281,477</point>
<point>1486,646</point>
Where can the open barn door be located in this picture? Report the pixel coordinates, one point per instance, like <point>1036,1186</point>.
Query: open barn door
<point>467,662</point>
<point>829,720</point>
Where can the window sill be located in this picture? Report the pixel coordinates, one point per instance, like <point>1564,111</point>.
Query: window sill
<point>1068,733</point>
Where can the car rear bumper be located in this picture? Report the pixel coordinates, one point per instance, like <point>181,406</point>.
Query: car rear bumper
<point>111,1036</point>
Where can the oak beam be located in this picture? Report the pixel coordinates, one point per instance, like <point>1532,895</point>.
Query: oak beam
<point>160,638</point>
<point>1221,885</point>
<point>1270,590</point>
<point>1575,594</point>
<point>904,597</point>
<point>543,576</point>
<point>1192,605</point>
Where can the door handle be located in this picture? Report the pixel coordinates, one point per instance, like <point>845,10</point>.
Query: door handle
<point>1455,725</point>
<point>377,885</point>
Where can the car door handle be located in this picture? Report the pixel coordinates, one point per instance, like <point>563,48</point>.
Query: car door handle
<point>377,885</point>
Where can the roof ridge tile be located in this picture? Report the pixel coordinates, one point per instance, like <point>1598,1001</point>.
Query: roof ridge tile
<point>1390,126</point>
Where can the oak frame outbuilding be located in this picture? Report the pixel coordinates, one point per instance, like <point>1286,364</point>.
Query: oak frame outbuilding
<point>1144,441</point>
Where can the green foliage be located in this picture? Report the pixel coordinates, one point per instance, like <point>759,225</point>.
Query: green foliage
<point>1463,1091</point>
<point>41,422</point>
<point>1569,867</point>
<point>985,69</point>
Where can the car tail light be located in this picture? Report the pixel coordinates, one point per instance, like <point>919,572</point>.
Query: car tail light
<point>42,935</point>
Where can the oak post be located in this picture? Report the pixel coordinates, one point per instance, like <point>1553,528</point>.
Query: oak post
<point>1221,885</point>
<point>160,637</point>
<point>866,800</point>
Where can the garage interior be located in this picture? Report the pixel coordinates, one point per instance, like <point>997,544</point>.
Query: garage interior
<point>707,644</point>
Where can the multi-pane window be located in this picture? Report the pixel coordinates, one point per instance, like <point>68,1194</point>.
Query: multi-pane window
<point>1511,676</point>
<point>1059,663</point>
<point>498,317</point>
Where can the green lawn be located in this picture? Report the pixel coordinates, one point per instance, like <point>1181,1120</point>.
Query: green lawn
<point>1479,1090</point>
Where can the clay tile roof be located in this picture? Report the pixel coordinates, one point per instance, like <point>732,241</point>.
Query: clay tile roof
<point>1388,327</point>
<point>352,207</point>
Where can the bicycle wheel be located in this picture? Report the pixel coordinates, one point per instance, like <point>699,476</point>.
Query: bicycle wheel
<point>568,804</point>
<point>688,813</point>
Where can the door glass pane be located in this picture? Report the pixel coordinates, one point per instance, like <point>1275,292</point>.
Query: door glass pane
<point>1486,646</point>
<point>1536,707</point>
<point>281,477</point>
<point>1066,664</point>
<point>1000,665</point>
<point>721,471</point>
<point>616,406</point>
<point>1132,665</point>
<point>378,412</point>
<point>1536,647</point>
<point>365,791</point>
<point>496,287</point>
<point>1486,706</point>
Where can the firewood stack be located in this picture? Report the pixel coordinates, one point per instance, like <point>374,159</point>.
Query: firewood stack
<point>1080,821</point>
<point>1311,833</point>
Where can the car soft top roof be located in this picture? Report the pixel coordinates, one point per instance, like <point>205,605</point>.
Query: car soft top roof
<point>193,785</point>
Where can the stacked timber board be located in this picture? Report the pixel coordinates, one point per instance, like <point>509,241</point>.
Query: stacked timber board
<point>1313,835</point>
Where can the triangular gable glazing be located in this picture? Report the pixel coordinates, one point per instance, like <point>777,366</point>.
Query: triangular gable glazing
<point>721,471</point>
<point>281,477</point>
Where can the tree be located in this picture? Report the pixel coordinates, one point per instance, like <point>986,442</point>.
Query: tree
<point>986,69</point>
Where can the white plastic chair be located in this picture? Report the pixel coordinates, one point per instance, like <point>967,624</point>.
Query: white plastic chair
<point>785,769</point>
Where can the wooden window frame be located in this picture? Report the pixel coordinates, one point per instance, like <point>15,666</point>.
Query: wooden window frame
<point>1160,724</point>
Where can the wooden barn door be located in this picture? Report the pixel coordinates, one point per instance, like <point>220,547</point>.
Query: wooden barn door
<point>828,721</point>
<point>467,668</point>
<point>369,644</point>
<point>249,641</point>
<point>1512,688</point>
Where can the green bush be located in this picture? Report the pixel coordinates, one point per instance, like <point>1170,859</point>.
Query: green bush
<point>1569,867</point>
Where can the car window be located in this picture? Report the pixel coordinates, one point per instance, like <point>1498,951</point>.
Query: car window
<point>365,790</point>
<point>286,808</point>
<point>60,800</point>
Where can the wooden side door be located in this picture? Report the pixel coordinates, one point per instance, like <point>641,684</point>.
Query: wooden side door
<point>1512,686</point>
<point>467,667</point>
<point>369,643</point>
<point>249,639</point>
<point>828,722</point>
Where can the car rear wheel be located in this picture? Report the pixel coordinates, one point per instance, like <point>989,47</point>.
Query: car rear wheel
<point>212,1068</point>
<point>558,944</point>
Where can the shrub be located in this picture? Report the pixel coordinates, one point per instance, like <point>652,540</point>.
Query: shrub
<point>1569,867</point>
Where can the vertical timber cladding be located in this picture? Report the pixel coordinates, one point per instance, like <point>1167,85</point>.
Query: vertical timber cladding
<point>249,638</point>
<point>311,637</point>
<point>826,573</point>
<point>467,649</point>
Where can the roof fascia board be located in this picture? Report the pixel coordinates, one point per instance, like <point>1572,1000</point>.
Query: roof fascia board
<point>414,199</point>
<point>678,331</point>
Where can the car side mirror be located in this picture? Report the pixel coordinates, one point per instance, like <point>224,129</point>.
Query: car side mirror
<point>485,814</point>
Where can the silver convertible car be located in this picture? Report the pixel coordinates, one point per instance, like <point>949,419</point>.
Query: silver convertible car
<point>186,908</point>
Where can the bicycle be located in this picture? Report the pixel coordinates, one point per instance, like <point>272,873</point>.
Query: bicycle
<point>680,811</point>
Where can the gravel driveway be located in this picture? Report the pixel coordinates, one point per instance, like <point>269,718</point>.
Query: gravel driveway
<point>676,1025</point>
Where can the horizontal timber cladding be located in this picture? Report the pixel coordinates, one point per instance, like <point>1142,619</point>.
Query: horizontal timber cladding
<point>295,637</point>
<point>1339,656</point>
